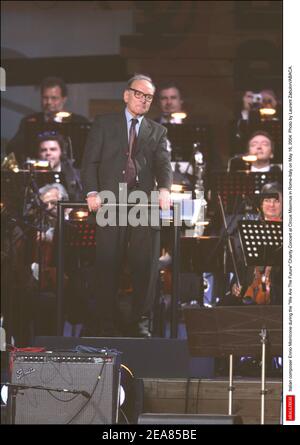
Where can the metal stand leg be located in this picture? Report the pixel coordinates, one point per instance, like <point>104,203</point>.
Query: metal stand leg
<point>263,392</point>
<point>175,271</point>
<point>231,388</point>
<point>12,405</point>
<point>281,410</point>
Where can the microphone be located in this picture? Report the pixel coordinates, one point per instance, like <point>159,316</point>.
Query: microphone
<point>238,156</point>
<point>245,157</point>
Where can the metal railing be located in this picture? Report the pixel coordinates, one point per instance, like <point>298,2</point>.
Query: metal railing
<point>62,205</point>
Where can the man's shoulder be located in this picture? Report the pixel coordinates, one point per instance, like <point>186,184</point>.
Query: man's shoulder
<point>155,125</point>
<point>112,118</point>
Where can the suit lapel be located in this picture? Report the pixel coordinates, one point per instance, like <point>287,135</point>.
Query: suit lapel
<point>143,136</point>
<point>121,126</point>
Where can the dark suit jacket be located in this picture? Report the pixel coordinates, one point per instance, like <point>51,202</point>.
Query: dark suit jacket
<point>104,159</point>
<point>72,181</point>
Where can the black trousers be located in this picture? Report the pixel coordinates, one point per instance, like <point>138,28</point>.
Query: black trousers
<point>139,247</point>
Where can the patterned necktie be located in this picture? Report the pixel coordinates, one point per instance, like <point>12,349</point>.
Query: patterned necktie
<point>130,170</point>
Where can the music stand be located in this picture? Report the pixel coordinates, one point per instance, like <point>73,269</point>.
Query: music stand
<point>81,234</point>
<point>194,256</point>
<point>232,186</point>
<point>80,243</point>
<point>243,330</point>
<point>184,136</point>
<point>261,242</point>
<point>202,254</point>
<point>48,177</point>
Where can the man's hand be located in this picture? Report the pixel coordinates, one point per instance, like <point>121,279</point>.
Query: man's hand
<point>164,199</point>
<point>236,290</point>
<point>93,202</point>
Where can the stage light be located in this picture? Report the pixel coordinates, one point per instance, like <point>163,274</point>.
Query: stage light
<point>79,215</point>
<point>178,117</point>
<point>61,115</point>
<point>39,163</point>
<point>177,188</point>
<point>244,157</point>
<point>249,158</point>
<point>265,112</point>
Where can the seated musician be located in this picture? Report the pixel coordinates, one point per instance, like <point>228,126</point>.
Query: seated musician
<point>43,239</point>
<point>261,145</point>
<point>52,148</point>
<point>261,285</point>
<point>43,267</point>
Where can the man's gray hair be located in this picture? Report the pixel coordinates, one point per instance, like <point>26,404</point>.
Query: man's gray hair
<point>63,194</point>
<point>140,77</point>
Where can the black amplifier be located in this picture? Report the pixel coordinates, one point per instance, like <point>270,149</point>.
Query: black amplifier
<point>64,387</point>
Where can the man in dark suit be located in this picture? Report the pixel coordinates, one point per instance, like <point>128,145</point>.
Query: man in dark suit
<point>53,98</point>
<point>127,148</point>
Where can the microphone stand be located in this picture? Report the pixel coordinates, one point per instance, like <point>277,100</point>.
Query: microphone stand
<point>16,387</point>
<point>226,233</point>
<point>231,388</point>
<point>229,243</point>
<point>237,157</point>
<point>38,204</point>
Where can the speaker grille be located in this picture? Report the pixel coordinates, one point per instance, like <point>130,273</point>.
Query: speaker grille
<point>97,375</point>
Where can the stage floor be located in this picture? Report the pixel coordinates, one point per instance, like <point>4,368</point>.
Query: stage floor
<point>210,396</point>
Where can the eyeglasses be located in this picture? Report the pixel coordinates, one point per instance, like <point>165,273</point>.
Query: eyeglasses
<point>139,95</point>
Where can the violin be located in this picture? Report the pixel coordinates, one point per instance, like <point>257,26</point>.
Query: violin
<point>259,290</point>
